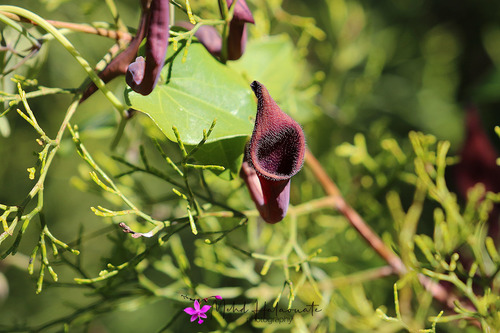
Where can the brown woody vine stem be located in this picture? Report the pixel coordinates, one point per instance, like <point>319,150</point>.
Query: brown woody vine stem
<point>437,290</point>
<point>86,28</point>
<point>352,216</point>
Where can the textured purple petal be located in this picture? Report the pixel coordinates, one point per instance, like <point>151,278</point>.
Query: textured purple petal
<point>237,36</point>
<point>207,35</point>
<point>276,198</point>
<point>194,317</point>
<point>277,146</point>
<point>218,297</point>
<point>275,153</point>
<point>119,64</point>
<point>197,305</point>
<point>236,40</point>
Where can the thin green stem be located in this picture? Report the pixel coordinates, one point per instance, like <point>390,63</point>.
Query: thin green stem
<point>70,48</point>
<point>19,29</point>
<point>225,30</point>
<point>116,16</point>
<point>88,158</point>
<point>119,131</point>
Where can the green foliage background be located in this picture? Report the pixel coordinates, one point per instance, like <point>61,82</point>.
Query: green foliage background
<point>359,76</point>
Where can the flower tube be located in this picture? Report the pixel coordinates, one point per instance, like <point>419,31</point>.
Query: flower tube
<point>237,38</point>
<point>142,75</point>
<point>118,66</point>
<point>274,154</point>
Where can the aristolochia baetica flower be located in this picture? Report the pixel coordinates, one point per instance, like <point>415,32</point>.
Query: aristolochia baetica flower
<point>143,74</point>
<point>275,153</point>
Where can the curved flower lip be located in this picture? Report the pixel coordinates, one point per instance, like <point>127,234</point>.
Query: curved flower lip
<point>271,197</point>
<point>135,71</point>
<point>274,154</point>
<point>156,49</point>
<point>141,76</point>
<point>119,65</point>
<point>241,12</point>
<point>237,37</point>
<point>277,146</point>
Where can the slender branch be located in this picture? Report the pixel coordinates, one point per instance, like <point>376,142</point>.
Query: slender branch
<point>71,49</point>
<point>85,28</point>
<point>110,186</point>
<point>352,216</point>
<point>437,290</point>
<point>302,209</point>
<point>116,16</point>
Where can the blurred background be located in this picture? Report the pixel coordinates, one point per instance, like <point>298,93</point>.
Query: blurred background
<point>377,68</point>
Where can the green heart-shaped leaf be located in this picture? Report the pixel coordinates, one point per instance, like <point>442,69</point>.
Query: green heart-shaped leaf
<point>194,93</point>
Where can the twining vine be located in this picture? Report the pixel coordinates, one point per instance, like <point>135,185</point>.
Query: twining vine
<point>212,222</point>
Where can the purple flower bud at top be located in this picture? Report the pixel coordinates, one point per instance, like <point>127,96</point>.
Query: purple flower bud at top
<point>237,37</point>
<point>241,12</point>
<point>156,48</point>
<point>275,153</point>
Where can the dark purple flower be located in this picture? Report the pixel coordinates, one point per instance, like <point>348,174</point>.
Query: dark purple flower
<point>237,38</point>
<point>275,153</point>
<point>237,35</point>
<point>118,66</point>
<point>477,158</point>
<point>141,75</point>
<point>156,49</point>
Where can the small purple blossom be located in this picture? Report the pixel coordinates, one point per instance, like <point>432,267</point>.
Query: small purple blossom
<point>196,312</point>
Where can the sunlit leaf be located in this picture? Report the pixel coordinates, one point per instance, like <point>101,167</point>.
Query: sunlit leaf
<point>197,91</point>
<point>227,153</point>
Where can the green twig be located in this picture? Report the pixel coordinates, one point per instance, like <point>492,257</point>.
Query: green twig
<point>70,48</point>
